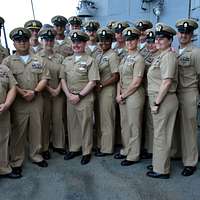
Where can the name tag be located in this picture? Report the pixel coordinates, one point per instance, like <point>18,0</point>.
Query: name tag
<point>36,65</point>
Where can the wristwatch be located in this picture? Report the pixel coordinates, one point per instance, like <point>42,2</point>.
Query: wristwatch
<point>80,96</point>
<point>156,104</point>
<point>36,92</point>
<point>100,85</point>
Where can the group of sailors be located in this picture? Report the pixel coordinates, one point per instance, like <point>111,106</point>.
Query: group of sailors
<point>95,87</point>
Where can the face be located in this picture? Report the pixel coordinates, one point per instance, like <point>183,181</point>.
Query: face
<point>22,46</point>
<point>34,34</point>
<point>78,46</point>
<point>105,45</point>
<point>132,44</point>
<point>92,35</point>
<point>152,47</point>
<point>184,38</point>
<point>48,44</point>
<point>75,26</point>
<point>162,43</point>
<point>119,37</point>
<point>59,29</point>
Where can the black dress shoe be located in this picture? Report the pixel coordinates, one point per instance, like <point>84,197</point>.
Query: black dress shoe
<point>61,151</point>
<point>150,167</point>
<point>11,175</point>
<point>153,174</point>
<point>71,155</point>
<point>17,170</point>
<point>46,155</point>
<point>85,159</point>
<point>128,162</point>
<point>188,170</point>
<point>42,163</point>
<point>146,155</point>
<point>119,156</point>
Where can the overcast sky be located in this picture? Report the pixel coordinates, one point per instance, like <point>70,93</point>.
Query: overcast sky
<point>17,12</point>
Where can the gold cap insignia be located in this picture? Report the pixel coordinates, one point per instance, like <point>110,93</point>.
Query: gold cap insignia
<point>129,32</point>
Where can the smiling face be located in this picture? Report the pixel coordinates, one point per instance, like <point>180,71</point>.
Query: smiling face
<point>184,38</point>
<point>78,46</point>
<point>163,43</point>
<point>22,46</point>
<point>105,44</point>
<point>132,44</point>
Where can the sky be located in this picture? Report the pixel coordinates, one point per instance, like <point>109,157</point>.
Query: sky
<point>17,12</point>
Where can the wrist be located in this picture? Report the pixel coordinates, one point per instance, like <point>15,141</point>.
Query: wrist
<point>156,104</point>
<point>101,85</point>
<point>80,96</point>
<point>35,92</point>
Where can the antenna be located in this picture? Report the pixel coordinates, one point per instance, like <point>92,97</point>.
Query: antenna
<point>33,9</point>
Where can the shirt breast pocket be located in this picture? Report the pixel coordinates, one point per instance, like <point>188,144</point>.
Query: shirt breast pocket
<point>36,71</point>
<point>4,82</point>
<point>185,61</point>
<point>82,69</point>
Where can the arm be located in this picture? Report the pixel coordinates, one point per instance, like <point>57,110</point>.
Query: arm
<point>65,88</point>
<point>132,87</point>
<point>165,85</point>
<point>9,99</point>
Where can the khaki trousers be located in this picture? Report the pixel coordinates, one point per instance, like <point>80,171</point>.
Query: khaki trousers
<point>106,118</point>
<point>80,125</point>
<point>26,118</point>
<point>131,123</point>
<point>188,101</point>
<point>53,122</point>
<point>163,122</point>
<point>5,129</point>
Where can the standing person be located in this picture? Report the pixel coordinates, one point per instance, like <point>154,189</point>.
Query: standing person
<point>34,26</point>
<point>3,51</point>
<point>31,74</point>
<point>130,96</point>
<point>78,78</point>
<point>188,93</point>
<point>7,96</point>
<point>92,47</point>
<point>107,62</point>
<point>147,149</point>
<point>53,98</point>
<point>62,44</point>
<point>75,23</point>
<point>120,46</point>
<point>143,25</point>
<point>162,85</point>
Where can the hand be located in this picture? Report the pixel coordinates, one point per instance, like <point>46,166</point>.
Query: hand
<point>154,109</point>
<point>3,107</point>
<point>120,100</point>
<point>53,92</point>
<point>98,87</point>
<point>74,99</point>
<point>29,95</point>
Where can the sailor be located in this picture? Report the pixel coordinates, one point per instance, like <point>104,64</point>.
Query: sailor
<point>34,26</point>
<point>188,93</point>
<point>78,78</point>
<point>162,85</point>
<point>31,75</point>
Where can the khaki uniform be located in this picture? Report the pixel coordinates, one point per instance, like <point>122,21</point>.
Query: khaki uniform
<point>3,53</point>
<point>93,51</point>
<point>35,51</point>
<point>53,107</point>
<point>121,52</point>
<point>147,117</point>
<point>80,123</point>
<point>188,96</point>
<point>64,48</point>
<point>163,67</point>
<point>131,112</point>
<point>108,64</point>
<point>26,116</point>
<point>7,81</point>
